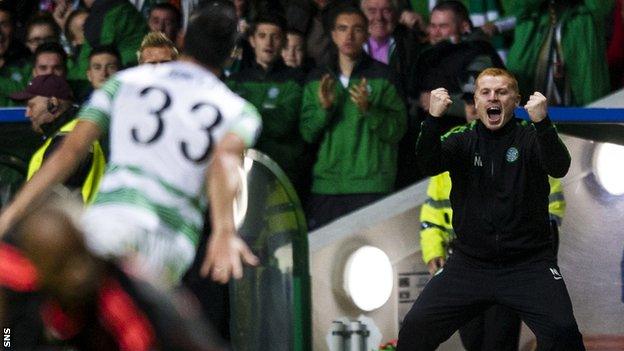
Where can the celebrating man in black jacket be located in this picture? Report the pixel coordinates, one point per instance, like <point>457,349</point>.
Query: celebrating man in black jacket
<point>503,254</point>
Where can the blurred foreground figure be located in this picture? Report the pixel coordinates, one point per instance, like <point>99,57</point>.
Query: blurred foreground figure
<point>72,298</point>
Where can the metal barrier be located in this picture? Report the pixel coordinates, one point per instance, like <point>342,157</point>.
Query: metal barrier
<point>580,114</point>
<point>270,305</point>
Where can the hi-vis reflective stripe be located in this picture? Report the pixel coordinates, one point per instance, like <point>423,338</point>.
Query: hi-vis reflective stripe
<point>427,225</point>
<point>556,218</point>
<point>558,196</point>
<point>439,203</point>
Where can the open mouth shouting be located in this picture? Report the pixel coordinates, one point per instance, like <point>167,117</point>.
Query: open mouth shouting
<point>495,114</point>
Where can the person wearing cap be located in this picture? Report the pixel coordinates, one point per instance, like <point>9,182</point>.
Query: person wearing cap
<point>498,328</point>
<point>50,108</point>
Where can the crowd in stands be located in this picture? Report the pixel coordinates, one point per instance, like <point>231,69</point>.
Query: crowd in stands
<point>342,86</point>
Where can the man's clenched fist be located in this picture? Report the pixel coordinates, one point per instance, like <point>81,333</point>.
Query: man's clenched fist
<point>537,107</point>
<point>439,102</point>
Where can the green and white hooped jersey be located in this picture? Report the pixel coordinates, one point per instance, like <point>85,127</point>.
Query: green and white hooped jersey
<point>163,122</point>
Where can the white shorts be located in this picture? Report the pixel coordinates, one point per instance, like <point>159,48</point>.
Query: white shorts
<point>131,234</point>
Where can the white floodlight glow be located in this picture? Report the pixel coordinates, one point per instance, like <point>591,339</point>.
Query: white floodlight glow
<point>241,200</point>
<point>609,167</point>
<point>368,278</point>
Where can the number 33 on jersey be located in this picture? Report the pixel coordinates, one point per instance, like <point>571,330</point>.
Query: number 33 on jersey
<point>162,122</point>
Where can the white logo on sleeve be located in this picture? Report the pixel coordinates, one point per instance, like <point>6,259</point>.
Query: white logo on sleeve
<point>555,274</point>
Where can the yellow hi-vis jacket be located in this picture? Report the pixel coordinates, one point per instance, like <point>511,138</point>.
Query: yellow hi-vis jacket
<point>436,215</point>
<point>92,181</point>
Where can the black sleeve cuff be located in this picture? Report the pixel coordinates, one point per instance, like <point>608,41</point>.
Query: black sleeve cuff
<point>433,121</point>
<point>543,125</point>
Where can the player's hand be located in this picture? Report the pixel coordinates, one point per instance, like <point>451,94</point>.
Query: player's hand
<point>537,107</point>
<point>359,95</point>
<point>326,91</point>
<point>439,102</point>
<point>435,264</point>
<point>225,255</point>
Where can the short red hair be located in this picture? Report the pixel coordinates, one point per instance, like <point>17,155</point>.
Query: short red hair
<point>494,72</point>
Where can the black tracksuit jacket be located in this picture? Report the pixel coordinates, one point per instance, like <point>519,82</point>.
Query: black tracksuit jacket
<point>500,184</point>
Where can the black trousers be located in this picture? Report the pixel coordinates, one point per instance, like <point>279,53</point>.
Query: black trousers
<point>465,288</point>
<point>498,328</point>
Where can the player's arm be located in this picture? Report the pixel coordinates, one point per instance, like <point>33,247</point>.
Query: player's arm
<point>55,170</point>
<point>225,249</point>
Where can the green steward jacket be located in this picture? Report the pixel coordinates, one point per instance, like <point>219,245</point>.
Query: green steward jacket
<point>357,151</point>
